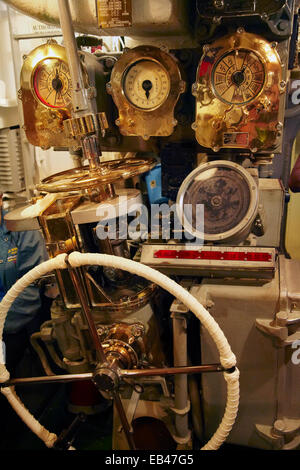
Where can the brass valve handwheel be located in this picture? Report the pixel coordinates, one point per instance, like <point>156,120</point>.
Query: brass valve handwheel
<point>78,179</point>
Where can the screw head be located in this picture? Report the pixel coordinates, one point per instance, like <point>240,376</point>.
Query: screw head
<point>109,62</point>
<point>219,4</point>
<point>282,84</point>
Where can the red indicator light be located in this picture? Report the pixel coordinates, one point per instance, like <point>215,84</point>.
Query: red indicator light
<point>259,256</point>
<point>189,254</point>
<point>214,255</point>
<point>235,256</point>
<point>167,254</point>
<point>211,255</point>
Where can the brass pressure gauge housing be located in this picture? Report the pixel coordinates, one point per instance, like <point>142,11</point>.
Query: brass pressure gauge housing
<point>46,95</point>
<point>239,94</point>
<point>145,85</point>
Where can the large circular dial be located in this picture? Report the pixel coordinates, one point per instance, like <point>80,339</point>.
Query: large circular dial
<point>225,196</point>
<point>146,84</point>
<point>52,83</point>
<point>228,195</point>
<point>238,77</point>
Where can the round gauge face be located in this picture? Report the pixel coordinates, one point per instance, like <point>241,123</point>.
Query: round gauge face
<point>52,83</point>
<point>225,195</point>
<point>238,77</point>
<point>146,84</point>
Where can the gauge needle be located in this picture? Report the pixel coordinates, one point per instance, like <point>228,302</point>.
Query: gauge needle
<point>55,97</point>
<point>147,85</point>
<point>57,85</point>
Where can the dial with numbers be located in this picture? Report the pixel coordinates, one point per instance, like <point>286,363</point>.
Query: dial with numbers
<point>52,83</point>
<point>146,84</point>
<point>238,77</point>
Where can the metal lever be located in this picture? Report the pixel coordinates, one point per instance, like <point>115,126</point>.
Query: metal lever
<point>66,438</point>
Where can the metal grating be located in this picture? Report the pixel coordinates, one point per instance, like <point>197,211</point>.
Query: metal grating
<point>11,164</point>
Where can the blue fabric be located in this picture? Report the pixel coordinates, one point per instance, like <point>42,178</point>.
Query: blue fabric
<point>20,252</point>
<point>2,291</point>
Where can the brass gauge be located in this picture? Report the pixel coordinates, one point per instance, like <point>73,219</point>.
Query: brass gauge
<point>52,83</point>
<point>240,94</point>
<point>145,84</point>
<point>46,95</point>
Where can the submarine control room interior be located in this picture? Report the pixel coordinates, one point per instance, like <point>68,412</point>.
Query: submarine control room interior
<point>150,225</point>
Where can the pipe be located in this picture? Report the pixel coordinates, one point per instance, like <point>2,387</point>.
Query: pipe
<point>46,11</point>
<point>196,408</point>
<point>150,18</point>
<point>75,259</point>
<point>40,352</point>
<point>54,356</point>
<point>182,404</point>
<point>79,97</point>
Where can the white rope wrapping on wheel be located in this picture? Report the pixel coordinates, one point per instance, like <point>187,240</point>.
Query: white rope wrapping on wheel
<point>227,358</point>
<point>9,392</point>
<point>47,437</point>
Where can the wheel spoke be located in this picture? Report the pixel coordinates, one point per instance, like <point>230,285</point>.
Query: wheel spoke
<point>132,373</point>
<point>87,313</point>
<point>124,421</point>
<point>48,379</point>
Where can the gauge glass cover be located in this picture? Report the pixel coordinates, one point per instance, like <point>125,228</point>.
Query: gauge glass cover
<point>238,77</point>
<point>146,84</point>
<point>52,83</point>
<point>226,198</point>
